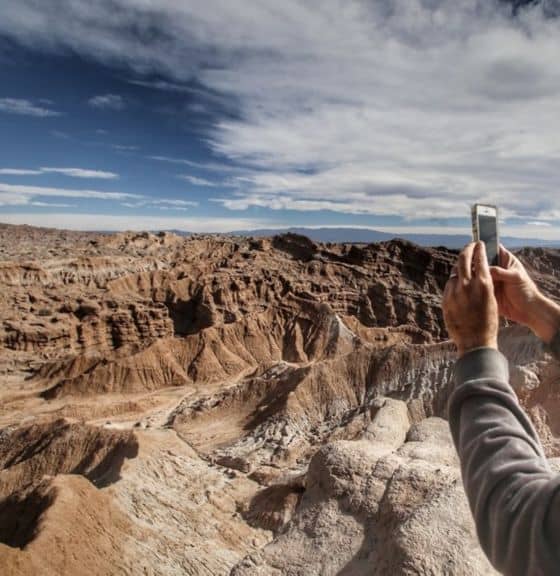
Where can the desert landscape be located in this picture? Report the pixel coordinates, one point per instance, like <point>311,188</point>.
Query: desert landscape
<point>213,405</point>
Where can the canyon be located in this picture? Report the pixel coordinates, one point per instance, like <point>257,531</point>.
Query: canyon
<point>215,405</point>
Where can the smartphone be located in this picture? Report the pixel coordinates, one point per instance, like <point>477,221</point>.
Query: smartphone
<point>485,228</point>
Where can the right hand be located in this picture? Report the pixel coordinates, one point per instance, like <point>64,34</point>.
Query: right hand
<point>518,297</point>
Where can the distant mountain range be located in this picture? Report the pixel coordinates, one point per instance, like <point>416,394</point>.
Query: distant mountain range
<point>361,235</point>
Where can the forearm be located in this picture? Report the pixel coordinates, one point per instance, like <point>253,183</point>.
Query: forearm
<point>544,316</point>
<point>511,490</point>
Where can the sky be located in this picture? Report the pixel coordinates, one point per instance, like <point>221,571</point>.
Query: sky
<point>217,116</point>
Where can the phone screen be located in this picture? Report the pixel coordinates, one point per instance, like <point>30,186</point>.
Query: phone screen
<point>489,235</point>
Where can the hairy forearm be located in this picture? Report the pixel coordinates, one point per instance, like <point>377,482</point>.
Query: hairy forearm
<point>545,318</point>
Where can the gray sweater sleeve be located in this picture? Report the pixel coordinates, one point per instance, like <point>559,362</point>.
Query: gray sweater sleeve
<point>513,494</point>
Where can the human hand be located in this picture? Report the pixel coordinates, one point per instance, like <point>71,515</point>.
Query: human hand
<point>470,309</point>
<point>520,300</point>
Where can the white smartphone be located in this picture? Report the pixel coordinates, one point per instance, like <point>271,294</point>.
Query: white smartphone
<point>485,228</point>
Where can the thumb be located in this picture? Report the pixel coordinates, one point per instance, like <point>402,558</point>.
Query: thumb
<point>506,257</point>
<point>502,275</point>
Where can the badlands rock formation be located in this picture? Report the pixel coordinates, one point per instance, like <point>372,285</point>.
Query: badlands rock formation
<point>217,405</point>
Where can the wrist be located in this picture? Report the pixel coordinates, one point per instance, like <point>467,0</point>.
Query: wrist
<point>545,318</point>
<point>465,347</point>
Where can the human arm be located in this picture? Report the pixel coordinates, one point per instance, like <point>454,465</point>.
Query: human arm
<point>512,493</point>
<point>520,300</point>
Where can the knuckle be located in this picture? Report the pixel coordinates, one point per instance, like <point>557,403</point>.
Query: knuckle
<point>484,282</point>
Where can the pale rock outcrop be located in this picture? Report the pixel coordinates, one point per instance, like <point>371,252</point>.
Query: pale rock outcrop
<point>379,508</point>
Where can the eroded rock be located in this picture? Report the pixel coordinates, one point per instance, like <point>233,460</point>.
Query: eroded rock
<point>215,405</point>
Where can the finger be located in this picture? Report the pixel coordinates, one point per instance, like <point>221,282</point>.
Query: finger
<point>480,261</point>
<point>506,258</point>
<point>508,276</point>
<point>464,264</point>
<point>449,285</point>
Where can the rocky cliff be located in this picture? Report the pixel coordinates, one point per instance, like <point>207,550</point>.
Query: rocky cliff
<point>217,405</point>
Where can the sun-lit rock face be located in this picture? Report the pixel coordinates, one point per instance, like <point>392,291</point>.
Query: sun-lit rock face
<point>217,405</point>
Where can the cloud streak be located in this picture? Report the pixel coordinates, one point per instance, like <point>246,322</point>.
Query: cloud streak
<point>196,181</point>
<point>19,195</point>
<point>162,204</point>
<point>24,107</point>
<point>81,173</point>
<point>72,172</point>
<point>51,204</point>
<point>22,195</point>
<point>107,102</point>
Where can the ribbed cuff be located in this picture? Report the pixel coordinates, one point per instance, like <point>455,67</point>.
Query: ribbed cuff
<point>481,363</point>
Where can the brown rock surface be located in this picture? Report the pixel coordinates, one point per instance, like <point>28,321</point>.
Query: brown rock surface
<point>216,405</point>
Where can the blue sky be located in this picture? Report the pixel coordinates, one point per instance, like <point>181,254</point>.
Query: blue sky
<point>214,116</point>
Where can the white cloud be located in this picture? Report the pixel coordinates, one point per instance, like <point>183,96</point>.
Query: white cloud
<point>73,172</point>
<point>539,223</point>
<point>173,202</point>
<point>195,180</point>
<point>52,204</point>
<point>162,203</point>
<point>170,160</point>
<point>81,173</point>
<point>409,107</point>
<point>13,199</point>
<point>162,85</point>
<point>12,194</point>
<point>26,107</point>
<point>18,172</point>
<point>112,222</point>
<point>124,147</point>
<point>107,102</point>
<point>173,208</point>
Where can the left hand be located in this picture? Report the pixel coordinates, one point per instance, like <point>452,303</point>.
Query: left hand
<point>470,309</point>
